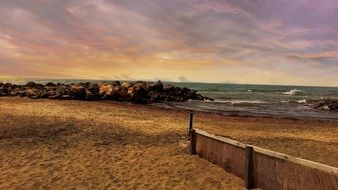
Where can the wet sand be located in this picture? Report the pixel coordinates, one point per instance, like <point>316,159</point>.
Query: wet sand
<point>108,145</point>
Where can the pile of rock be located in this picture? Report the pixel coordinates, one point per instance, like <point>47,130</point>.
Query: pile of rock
<point>140,92</point>
<point>327,104</point>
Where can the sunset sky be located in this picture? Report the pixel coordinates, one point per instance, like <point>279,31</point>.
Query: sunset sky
<point>223,41</point>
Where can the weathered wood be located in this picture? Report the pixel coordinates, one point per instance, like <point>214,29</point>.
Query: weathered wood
<point>262,168</point>
<point>249,173</point>
<point>193,142</point>
<point>308,163</point>
<point>190,122</point>
<point>222,139</point>
<point>227,156</point>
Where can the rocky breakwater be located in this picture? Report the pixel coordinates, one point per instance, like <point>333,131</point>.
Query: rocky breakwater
<point>139,92</point>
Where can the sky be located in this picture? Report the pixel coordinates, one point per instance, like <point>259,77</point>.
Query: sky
<point>291,42</point>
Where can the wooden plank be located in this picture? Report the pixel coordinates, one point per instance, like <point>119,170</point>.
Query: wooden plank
<point>190,122</point>
<point>219,138</point>
<point>304,162</point>
<point>308,163</point>
<point>193,142</point>
<point>249,173</point>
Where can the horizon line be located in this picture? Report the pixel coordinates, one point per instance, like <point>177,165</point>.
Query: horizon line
<point>129,80</point>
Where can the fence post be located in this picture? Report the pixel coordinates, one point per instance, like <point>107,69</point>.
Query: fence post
<point>190,122</point>
<point>249,173</point>
<point>193,142</point>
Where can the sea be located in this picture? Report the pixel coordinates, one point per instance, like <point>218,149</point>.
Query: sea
<point>280,101</point>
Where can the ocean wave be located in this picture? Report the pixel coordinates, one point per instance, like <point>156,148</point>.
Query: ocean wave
<point>303,101</point>
<point>232,102</point>
<point>294,92</point>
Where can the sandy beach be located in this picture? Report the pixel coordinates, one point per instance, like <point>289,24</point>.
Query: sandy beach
<point>46,144</point>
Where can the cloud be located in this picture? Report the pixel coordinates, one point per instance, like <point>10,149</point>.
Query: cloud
<point>165,39</point>
<point>182,79</point>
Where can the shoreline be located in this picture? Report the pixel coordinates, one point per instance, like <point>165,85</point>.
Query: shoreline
<point>246,115</point>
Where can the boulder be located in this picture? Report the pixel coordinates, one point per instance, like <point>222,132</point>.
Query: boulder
<point>77,92</point>
<point>92,92</point>
<point>119,93</point>
<point>105,91</point>
<point>65,97</point>
<point>57,95</point>
<point>90,96</point>
<point>123,93</point>
<point>327,105</point>
<point>30,84</point>
<point>138,94</point>
<point>156,86</point>
<point>30,93</point>
<point>126,85</point>
<point>169,89</point>
<point>199,97</point>
<point>44,94</point>
<point>116,83</point>
<point>50,84</point>
<point>62,90</point>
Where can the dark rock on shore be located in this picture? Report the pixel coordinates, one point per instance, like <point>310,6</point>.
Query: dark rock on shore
<point>328,105</point>
<point>139,92</point>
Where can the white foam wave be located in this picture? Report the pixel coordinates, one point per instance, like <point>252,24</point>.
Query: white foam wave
<point>301,101</point>
<point>240,101</point>
<point>298,101</point>
<point>294,92</point>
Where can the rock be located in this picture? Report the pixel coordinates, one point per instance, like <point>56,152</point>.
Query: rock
<point>57,95</point>
<point>50,84</point>
<point>199,97</point>
<point>30,93</point>
<point>105,91</point>
<point>22,93</point>
<point>125,85</point>
<point>77,92</point>
<point>327,105</point>
<point>44,94</point>
<point>90,96</point>
<point>94,88</point>
<point>155,96</point>
<point>14,92</point>
<point>138,94</point>
<point>92,92</point>
<point>120,93</point>
<point>169,89</point>
<point>116,83</point>
<point>64,97</point>
<point>157,86</point>
<point>62,90</point>
<point>30,84</point>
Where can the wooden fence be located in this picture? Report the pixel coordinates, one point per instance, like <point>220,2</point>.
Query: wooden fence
<point>261,168</point>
